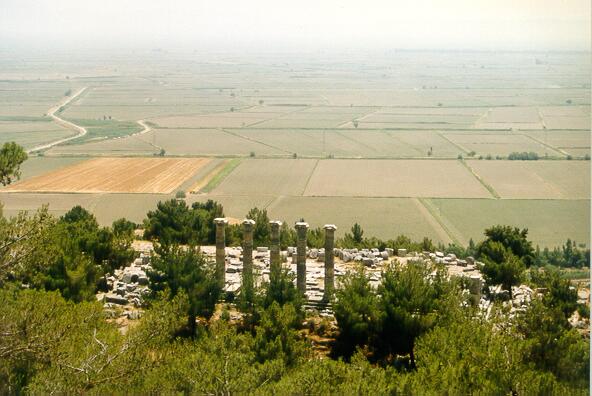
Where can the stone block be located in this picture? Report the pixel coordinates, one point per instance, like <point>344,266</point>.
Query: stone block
<point>115,299</point>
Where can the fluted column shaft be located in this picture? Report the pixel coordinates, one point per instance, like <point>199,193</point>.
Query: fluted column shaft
<point>329,261</point>
<point>274,254</point>
<point>247,281</point>
<point>301,229</point>
<point>221,251</point>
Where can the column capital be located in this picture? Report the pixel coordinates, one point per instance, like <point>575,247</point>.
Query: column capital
<point>248,222</point>
<point>275,223</point>
<point>220,221</point>
<point>301,224</point>
<point>330,227</point>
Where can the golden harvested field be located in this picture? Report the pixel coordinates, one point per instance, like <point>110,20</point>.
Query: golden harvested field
<point>394,178</point>
<point>115,175</point>
<point>536,179</point>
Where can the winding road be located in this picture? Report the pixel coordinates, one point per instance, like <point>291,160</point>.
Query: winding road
<point>67,124</point>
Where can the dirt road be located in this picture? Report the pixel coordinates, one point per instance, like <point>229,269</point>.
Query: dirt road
<point>53,113</point>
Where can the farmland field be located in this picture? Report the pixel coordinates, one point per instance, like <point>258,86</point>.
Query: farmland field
<point>367,138</point>
<point>500,143</point>
<point>208,142</point>
<point>550,222</point>
<point>576,143</point>
<point>536,179</point>
<point>31,133</point>
<point>106,207</point>
<point>35,166</point>
<point>136,175</point>
<point>268,177</point>
<point>396,178</point>
<point>382,217</point>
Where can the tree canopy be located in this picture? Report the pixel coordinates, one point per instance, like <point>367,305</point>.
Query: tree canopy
<point>11,157</point>
<point>177,269</point>
<point>174,222</point>
<point>411,332</point>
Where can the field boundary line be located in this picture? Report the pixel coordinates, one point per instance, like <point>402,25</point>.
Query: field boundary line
<point>442,233</point>
<point>545,144</point>
<point>254,140</point>
<point>481,117</point>
<point>309,177</point>
<point>280,115</point>
<point>487,186</point>
<point>354,140</point>
<point>272,201</point>
<point>401,141</point>
<point>343,124</point>
<point>220,176</point>
<point>147,128</point>
<point>458,146</point>
<point>454,235</point>
<point>196,187</point>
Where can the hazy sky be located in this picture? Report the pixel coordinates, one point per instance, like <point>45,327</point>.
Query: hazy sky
<point>300,24</point>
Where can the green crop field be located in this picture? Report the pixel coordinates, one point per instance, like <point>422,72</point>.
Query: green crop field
<point>104,129</point>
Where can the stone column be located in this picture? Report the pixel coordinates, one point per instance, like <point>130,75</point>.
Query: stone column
<point>301,229</point>
<point>329,261</point>
<point>475,286</point>
<point>220,250</point>
<point>274,254</point>
<point>247,281</point>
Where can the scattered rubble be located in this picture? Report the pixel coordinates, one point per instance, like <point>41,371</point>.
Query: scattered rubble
<point>127,289</point>
<point>128,286</point>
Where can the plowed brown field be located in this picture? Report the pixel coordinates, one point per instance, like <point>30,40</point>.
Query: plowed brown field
<point>116,175</point>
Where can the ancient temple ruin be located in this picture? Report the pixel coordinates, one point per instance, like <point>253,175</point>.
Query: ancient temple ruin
<point>315,269</point>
